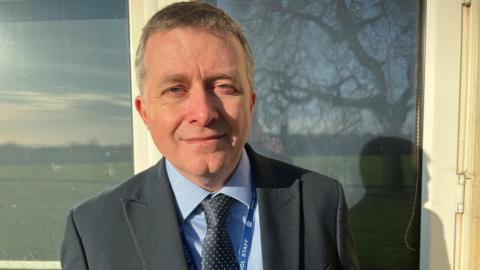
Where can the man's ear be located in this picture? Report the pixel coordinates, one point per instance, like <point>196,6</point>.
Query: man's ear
<point>253,100</point>
<point>141,109</point>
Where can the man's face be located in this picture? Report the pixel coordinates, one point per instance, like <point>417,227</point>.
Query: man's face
<point>197,102</point>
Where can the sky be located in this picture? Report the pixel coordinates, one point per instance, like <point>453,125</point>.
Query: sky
<point>64,78</point>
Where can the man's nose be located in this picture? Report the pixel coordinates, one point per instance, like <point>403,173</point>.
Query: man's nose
<point>202,107</point>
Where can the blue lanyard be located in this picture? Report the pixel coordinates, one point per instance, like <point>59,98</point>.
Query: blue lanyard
<point>247,235</point>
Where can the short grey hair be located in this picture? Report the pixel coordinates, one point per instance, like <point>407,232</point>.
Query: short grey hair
<point>196,15</point>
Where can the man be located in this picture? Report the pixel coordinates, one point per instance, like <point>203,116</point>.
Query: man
<point>197,208</point>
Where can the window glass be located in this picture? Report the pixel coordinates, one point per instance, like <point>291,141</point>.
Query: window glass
<point>65,116</point>
<point>337,93</point>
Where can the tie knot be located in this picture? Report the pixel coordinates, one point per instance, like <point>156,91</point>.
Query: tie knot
<point>216,210</point>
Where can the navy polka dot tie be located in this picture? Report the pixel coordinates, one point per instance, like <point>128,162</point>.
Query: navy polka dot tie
<point>217,250</point>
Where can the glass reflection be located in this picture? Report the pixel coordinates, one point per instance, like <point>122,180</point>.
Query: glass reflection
<point>336,85</point>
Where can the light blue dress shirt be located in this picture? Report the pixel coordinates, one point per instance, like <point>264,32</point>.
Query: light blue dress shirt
<point>189,196</point>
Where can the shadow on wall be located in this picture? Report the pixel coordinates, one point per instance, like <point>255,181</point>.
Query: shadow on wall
<point>432,225</point>
<point>385,222</point>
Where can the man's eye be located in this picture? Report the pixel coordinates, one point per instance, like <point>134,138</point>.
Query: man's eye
<point>225,88</point>
<point>175,91</point>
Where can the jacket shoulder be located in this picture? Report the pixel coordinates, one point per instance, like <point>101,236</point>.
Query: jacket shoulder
<point>109,200</point>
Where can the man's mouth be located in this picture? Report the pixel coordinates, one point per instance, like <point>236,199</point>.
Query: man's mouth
<point>204,139</point>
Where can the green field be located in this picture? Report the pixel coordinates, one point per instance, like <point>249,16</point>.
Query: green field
<point>34,201</point>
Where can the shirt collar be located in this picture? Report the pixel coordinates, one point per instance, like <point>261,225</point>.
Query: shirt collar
<point>189,195</point>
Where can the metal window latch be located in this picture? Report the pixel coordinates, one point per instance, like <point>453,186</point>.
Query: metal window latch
<point>463,177</point>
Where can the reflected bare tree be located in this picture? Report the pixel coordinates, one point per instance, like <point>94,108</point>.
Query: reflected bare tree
<point>333,66</point>
<point>315,56</point>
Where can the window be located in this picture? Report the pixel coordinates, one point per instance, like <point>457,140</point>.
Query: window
<point>65,116</point>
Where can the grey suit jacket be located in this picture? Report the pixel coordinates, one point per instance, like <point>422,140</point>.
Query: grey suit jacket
<point>303,219</point>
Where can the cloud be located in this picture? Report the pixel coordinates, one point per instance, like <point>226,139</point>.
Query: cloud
<point>57,117</point>
<point>57,101</point>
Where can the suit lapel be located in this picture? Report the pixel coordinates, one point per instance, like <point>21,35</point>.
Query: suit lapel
<point>151,216</point>
<point>280,226</point>
<point>279,205</point>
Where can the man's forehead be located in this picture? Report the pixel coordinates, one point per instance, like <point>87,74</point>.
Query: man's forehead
<point>179,40</point>
<point>189,31</point>
<point>182,45</point>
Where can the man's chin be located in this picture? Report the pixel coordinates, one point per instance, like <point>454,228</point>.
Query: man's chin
<point>211,165</point>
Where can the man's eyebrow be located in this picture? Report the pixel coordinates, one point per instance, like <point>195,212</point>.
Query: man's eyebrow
<point>182,78</point>
<point>223,76</point>
<point>175,77</point>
